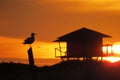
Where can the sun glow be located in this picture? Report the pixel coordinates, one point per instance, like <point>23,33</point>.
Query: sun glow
<point>112,59</point>
<point>113,51</point>
<point>116,48</point>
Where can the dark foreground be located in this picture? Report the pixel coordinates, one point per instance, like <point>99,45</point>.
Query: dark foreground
<point>70,70</point>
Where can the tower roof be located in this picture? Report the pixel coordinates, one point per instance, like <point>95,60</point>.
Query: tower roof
<point>80,34</point>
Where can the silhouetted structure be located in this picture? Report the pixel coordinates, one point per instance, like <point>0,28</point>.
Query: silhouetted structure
<point>30,56</point>
<point>30,40</point>
<point>85,43</point>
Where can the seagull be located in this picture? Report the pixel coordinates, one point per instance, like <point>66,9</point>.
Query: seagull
<point>30,40</point>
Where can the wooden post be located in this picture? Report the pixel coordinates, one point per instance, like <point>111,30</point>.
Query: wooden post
<point>31,63</point>
<point>30,57</point>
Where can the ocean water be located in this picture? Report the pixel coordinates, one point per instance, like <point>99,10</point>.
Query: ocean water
<point>38,61</point>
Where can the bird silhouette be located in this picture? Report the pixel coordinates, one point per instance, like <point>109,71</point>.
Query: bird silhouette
<point>30,40</point>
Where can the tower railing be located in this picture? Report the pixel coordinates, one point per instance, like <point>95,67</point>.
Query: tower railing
<point>108,50</point>
<point>61,51</point>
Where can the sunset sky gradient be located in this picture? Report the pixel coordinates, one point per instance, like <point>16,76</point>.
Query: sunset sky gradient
<point>50,19</point>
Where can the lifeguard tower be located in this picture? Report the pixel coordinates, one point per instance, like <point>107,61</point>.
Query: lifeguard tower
<point>83,43</point>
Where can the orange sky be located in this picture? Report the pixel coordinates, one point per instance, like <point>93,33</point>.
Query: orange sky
<point>13,48</point>
<point>52,18</point>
